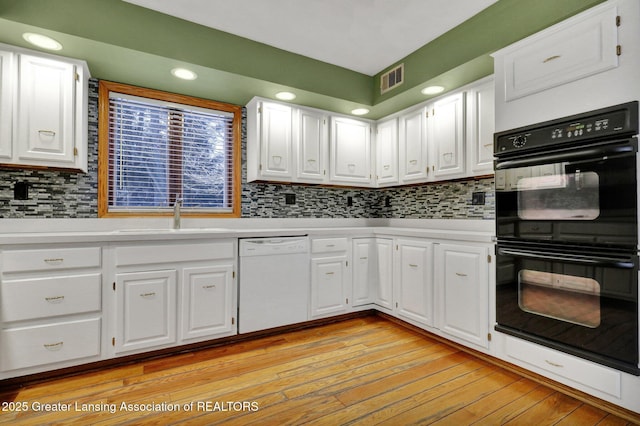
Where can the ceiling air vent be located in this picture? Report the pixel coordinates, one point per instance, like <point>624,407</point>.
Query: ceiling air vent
<point>392,78</point>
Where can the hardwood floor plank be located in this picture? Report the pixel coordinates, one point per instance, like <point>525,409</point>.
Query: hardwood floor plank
<point>487,404</point>
<point>585,414</point>
<point>447,403</point>
<point>361,371</point>
<point>548,411</point>
<point>519,405</point>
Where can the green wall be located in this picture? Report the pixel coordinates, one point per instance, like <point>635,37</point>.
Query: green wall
<point>126,43</point>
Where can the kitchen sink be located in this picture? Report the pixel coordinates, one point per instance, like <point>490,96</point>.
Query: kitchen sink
<point>166,230</point>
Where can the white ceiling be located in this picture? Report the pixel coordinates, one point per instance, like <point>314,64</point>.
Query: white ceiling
<point>366,36</point>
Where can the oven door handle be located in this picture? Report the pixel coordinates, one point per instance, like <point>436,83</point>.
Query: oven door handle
<point>621,263</point>
<point>593,153</point>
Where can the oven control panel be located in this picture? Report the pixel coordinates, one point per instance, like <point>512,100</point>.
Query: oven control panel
<point>603,123</point>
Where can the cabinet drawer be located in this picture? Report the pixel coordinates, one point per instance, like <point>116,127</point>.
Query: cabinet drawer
<point>48,297</point>
<point>166,253</point>
<point>328,245</point>
<point>48,344</point>
<point>50,259</point>
<point>578,370</point>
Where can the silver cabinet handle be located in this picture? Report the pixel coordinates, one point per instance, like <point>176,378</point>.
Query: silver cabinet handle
<point>54,261</point>
<point>551,58</point>
<point>413,162</point>
<point>47,132</point>
<point>54,299</point>
<point>413,265</point>
<point>153,293</point>
<point>364,258</point>
<point>554,364</point>
<point>329,273</point>
<point>53,346</point>
<point>460,274</point>
<point>208,287</point>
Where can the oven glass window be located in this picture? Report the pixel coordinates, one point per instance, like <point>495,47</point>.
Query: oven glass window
<point>566,298</point>
<point>549,193</point>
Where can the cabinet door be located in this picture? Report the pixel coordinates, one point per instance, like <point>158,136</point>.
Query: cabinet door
<point>350,151</point>
<point>462,279</point>
<point>329,286</point>
<point>447,123</point>
<point>414,281</point>
<point>146,309</point>
<point>384,291</point>
<point>275,141</point>
<point>6,104</point>
<point>46,104</point>
<point>365,279</point>
<point>413,146</point>
<point>480,129</point>
<point>207,302</point>
<point>312,146</point>
<point>387,152</point>
<point>580,47</point>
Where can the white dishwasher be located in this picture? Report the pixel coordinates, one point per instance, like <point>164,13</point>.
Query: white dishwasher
<point>274,282</point>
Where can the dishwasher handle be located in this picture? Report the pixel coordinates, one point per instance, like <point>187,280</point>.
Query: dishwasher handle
<point>271,246</point>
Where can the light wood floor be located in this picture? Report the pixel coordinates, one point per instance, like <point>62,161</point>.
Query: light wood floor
<point>361,371</point>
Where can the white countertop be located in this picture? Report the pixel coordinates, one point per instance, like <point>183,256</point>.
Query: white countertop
<point>42,231</point>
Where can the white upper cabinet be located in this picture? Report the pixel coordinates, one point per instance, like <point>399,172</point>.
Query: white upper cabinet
<point>447,136</point>
<point>480,128</point>
<point>46,92</point>
<point>586,62</point>
<point>387,153</point>
<point>48,97</point>
<point>350,148</point>
<point>312,146</point>
<point>6,98</point>
<point>563,54</point>
<point>276,148</point>
<point>413,146</point>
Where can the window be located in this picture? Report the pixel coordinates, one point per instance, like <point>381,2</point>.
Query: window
<point>156,148</point>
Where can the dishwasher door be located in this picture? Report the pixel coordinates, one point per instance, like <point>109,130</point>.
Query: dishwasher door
<point>274,287</point>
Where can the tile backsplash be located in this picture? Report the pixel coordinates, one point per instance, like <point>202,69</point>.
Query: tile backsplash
<point>55,194</point>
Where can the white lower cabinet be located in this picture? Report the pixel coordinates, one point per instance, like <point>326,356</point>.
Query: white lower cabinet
<point>413,281</point>
<point>146,309</point>
<point>330,280</point>
<point>207,300</point>
<point>373,272</point>
<point>50,308</point>
<point>167,294</point>
<point>383,294</point>
<point>462,292</point>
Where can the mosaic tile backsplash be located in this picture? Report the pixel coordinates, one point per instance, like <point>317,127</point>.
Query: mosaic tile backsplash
<point>55,194</point>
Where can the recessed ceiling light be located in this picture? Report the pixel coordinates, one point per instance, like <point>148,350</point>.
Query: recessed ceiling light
<point>360,111</point>
<point>286,96</point>
<point>432,90</point>
<point>184,74</point>
<point>42,41</point>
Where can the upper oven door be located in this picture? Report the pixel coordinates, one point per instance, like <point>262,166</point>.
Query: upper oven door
<point>583,195</point>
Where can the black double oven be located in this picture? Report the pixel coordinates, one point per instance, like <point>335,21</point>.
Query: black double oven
<point>567,232</point>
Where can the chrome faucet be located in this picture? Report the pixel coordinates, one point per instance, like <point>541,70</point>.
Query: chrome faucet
<point>176,213</point>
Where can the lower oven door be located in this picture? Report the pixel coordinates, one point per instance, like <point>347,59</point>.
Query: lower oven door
<point>584,303</point>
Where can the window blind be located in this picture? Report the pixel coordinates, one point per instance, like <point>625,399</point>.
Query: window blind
<point>160,152</point>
